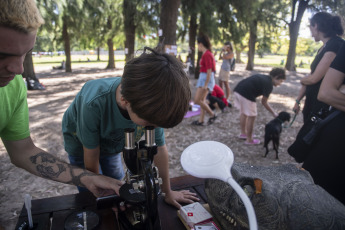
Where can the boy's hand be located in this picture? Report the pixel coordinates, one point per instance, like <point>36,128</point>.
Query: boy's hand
<point>183,196</point>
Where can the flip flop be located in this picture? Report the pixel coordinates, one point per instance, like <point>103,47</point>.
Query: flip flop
<point>254,142</point>
<point>244,136</point>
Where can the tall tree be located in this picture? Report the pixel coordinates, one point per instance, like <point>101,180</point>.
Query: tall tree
<point>110,43</point>
<point>201,21</point>
<point>297,12</point>
<point>65,18</point>
<point>140,17</point>
<point>168,19</point>
<point>66,42</point>
<point>72,14</point>
<point>29,71</point>
<point>114,24</point>
<point>129,13</point>
<point>190,10</point>
<point>255,14</point>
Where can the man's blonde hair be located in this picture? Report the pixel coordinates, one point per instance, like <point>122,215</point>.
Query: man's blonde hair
<point>21,15</point>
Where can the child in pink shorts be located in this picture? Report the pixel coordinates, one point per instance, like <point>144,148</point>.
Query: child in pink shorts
<point>245,94</point>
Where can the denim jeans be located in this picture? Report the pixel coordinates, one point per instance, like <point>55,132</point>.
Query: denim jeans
<point>108,165</point>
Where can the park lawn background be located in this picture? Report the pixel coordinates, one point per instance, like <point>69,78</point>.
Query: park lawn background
<point>90,60</point>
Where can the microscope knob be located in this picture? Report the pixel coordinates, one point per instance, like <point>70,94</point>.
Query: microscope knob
<point>159,181</point>
<point>138,185</point>
<point>135,186</point>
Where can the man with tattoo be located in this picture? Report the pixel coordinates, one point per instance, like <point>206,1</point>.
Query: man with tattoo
<point>19,21</point>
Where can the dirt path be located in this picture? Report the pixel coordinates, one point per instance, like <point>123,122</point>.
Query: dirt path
<point>47,107</point>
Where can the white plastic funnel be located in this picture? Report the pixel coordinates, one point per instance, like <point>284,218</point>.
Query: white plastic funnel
<point>211,159</point>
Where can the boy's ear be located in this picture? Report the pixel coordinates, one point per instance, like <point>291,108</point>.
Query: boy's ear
<point>123,101</point>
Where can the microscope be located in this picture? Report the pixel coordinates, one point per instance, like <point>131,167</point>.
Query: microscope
<point>140,192</point>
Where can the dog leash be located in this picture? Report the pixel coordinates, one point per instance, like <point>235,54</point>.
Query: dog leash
<point>289,125</point>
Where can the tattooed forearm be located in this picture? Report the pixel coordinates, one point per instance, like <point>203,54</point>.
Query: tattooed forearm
<point>47,165</point>
<point>45,158</point>
<point>76,179</point>
<point>48,171</point>
<point>50,167</point>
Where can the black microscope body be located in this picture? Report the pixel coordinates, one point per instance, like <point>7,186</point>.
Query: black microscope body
<point>140,193</point>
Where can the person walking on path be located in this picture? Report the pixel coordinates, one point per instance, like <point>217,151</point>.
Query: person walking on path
<point>227,55</point>
<point>206,80</point>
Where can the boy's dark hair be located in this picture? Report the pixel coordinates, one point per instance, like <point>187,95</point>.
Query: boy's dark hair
<point>330,25</point>
<point>278,73</point>
<point>157,88</point>
<point>205,40</point>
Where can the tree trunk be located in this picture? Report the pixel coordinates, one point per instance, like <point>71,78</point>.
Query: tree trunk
<point>252,42</point>
<point>29,71</point>
<point>238,56</point>
<point>98,53</point>
<point>129,11</point>
<point>168,19</point>
<point>294,26</point>
<point>202,30</point>
<point>66,42</point>
<point>197,67</point>
<point>111,59</point>
<point>193,26</point>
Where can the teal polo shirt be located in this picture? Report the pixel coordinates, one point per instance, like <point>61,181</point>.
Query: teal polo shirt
<point>94,119</point>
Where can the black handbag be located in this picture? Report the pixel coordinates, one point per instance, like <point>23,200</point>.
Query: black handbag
<point>308,134</point>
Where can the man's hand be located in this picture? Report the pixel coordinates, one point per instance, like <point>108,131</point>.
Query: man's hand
<point>183,196</point>
<point>101,185</point>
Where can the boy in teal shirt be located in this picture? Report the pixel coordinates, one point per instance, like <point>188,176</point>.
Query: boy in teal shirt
<point>153,91</point>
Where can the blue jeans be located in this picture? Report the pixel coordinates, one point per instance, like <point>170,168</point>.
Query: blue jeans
<point>108,165</point>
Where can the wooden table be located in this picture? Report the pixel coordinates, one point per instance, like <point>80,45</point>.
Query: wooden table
<point>50,213</point>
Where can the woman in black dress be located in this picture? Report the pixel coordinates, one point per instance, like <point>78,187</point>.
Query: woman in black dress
<point>326,28</point>
<point>326,161</point>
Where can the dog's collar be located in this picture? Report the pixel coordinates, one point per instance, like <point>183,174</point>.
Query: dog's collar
<point>289,125</point>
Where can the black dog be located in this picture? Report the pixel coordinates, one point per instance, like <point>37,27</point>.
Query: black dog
<point>273,130</point>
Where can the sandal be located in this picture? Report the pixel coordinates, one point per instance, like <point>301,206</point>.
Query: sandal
<point>197,123</point>
<point>254,142</point>
<point>244,136</point>
<point>211,119</point>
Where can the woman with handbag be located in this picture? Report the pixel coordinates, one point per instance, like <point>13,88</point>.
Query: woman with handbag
<point>326,28</point>
<point>324,156</point>
<point>326,160</point>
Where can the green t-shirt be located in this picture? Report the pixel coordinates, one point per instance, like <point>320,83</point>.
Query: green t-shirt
<point>94,119</point>
<point>14,112</point>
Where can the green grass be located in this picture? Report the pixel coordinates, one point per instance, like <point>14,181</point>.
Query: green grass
<point>276,61</point>
<point>267,60</point>
<point>82,59</point>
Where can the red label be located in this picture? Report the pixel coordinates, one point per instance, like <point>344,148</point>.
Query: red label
<point>190,214</point>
